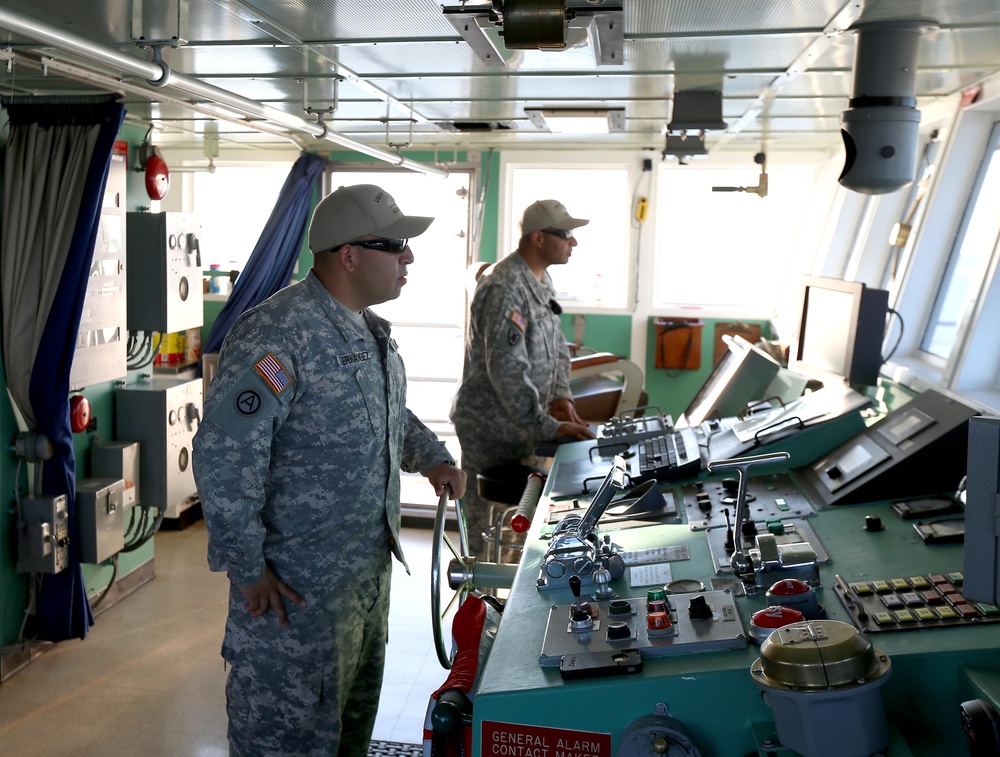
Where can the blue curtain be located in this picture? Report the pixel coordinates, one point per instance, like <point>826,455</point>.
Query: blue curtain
<point>63,610</point>
<point>273,259</point>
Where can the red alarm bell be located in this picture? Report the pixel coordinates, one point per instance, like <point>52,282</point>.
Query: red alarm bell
<point>79,413</point>
<point>157,177</point>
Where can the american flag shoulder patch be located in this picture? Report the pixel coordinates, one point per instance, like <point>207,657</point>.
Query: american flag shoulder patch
<point>519,320</point>
<point>273,373</point>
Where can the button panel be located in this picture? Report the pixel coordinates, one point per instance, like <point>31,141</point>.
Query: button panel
<point>902,603</point>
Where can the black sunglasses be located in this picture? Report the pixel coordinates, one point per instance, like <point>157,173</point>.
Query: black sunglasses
<point>385,245</point>
<point>561,233</point>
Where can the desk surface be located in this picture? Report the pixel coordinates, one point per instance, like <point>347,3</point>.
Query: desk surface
<point>712,693</point>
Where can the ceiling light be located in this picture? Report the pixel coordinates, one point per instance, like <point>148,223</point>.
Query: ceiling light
<point>578,120</point>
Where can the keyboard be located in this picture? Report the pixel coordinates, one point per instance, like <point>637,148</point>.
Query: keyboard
<point>668,456</point>
<point>629,429</point>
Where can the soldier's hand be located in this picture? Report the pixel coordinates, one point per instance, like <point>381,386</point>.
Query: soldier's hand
<point>265,594</point>
<point>445,474</point>
<point>575,430</point>
<point>565,410</point>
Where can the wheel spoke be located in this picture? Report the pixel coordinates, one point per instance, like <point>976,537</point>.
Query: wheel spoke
<point>451,546</point>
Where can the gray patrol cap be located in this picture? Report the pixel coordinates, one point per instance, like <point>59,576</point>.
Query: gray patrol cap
<point>356,211</point>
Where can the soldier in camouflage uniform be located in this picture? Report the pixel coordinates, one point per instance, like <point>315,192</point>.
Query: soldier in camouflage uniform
<point>297,464</point>
<point>515,391</point>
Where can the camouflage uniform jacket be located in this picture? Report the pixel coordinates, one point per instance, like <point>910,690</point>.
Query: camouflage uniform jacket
<point>297,460</point>
<point>516,362</point>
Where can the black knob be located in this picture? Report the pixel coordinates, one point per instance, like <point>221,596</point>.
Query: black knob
<point>574,585</point>
<point>873,523</point>
<point>730,486</point>
<point>699,609</point>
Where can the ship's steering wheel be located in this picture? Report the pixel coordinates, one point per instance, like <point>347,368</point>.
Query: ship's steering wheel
<point>457,572</point>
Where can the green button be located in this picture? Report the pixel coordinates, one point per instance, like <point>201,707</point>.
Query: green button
<point>955,578</point>
<point>776,527</point>
<point>990,611</point>
<point>656,595</point>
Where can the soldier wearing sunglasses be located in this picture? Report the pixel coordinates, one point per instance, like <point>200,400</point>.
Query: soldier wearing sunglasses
<point>297,463</point>
<point>515,390</point>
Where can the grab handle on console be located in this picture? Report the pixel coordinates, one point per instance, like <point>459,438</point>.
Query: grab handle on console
<point>521,520</point>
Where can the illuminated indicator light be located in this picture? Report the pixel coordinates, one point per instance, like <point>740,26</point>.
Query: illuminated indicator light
<point>657,621</point>
<point>656,606</point>
<point>654,595</point>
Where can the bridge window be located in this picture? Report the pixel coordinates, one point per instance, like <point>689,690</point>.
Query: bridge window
<point>730,249</point>
<point>970,257</point>
<point>597,276</point>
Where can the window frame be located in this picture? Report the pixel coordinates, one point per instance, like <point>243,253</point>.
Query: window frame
<point>509,216</point>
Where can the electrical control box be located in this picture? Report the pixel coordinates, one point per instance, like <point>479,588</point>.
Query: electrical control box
<point>43,535</point>
<point>163,415</point>
<point>164,272</point>
<point>118,460</point>
<point>99,518</point>
<point>100,353</point>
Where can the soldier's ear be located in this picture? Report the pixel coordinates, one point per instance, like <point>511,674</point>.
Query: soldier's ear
<point>347,256</point>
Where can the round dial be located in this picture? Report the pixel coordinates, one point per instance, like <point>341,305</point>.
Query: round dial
<point>656,736</point>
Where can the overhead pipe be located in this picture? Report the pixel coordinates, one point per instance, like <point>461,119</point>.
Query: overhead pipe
<point>162,76</point>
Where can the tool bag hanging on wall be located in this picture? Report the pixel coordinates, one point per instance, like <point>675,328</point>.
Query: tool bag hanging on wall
<point>678,343</point>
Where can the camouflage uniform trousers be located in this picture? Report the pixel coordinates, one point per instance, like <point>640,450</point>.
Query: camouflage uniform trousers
<point>311,708</point>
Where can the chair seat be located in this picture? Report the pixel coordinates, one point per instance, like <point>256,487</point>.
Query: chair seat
<point>503,483</point>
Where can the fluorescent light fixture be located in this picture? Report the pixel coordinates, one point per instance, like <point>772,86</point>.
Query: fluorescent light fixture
<point>578,120</point>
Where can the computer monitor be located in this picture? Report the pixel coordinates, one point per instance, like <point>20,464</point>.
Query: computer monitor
<point>841,329</point>
<point>741,376</point>
<point>981,571</point>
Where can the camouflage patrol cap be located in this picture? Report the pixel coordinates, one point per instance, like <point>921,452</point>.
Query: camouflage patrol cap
<point>360,210</point>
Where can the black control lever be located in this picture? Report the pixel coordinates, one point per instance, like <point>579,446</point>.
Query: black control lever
<point>574,586</point>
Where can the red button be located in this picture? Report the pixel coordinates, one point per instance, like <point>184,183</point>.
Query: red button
<point>776,617</point>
